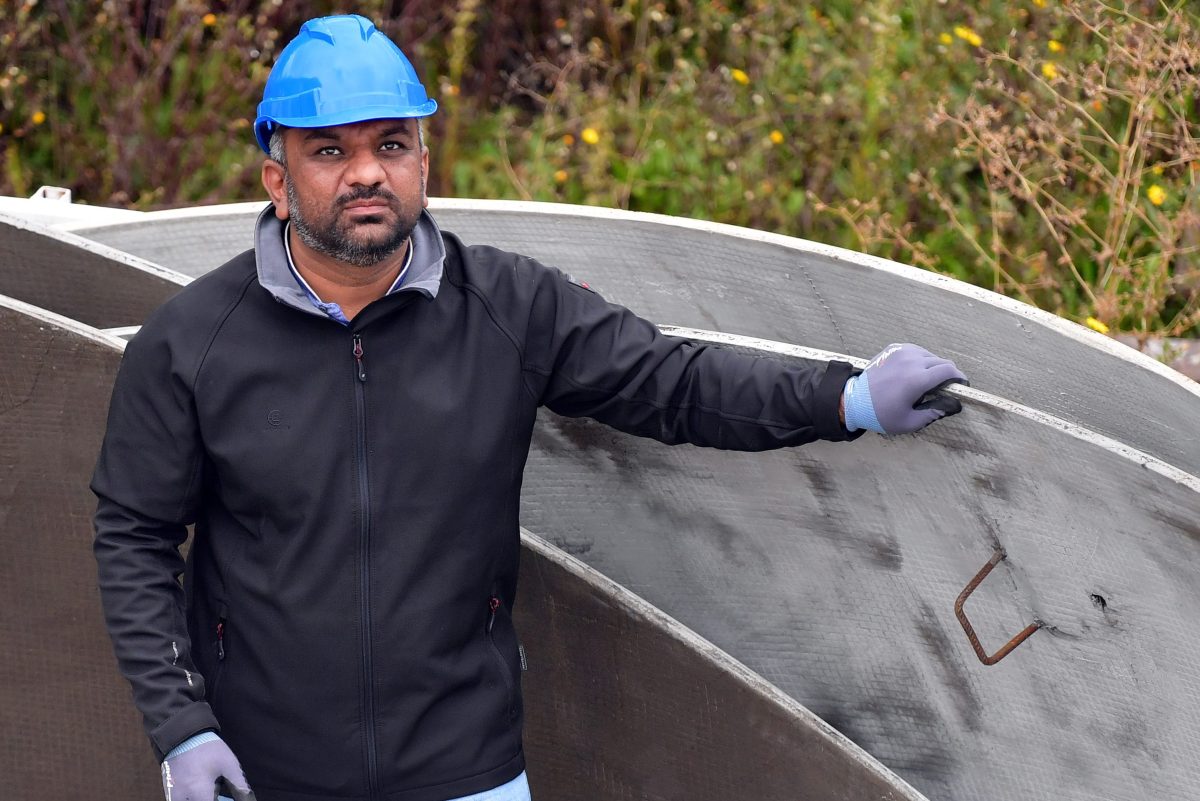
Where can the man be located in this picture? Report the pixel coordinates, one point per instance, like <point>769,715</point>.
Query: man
<point>344,413</point>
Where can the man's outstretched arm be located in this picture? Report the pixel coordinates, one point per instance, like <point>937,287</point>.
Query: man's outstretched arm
<point>602,361</point>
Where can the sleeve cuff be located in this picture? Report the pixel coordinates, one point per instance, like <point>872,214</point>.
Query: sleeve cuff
<point>191,720</point>
<point>827,421</point>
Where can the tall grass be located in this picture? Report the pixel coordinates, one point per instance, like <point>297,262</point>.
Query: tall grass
<point>1040,148</point>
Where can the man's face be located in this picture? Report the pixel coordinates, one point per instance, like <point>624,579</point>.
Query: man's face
<point>353,192</point>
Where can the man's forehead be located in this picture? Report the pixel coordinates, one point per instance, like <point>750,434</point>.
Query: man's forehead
<point>368,128</point>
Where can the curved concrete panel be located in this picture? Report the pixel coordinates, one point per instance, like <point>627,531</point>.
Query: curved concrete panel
<point>68,726</point>
<point>832,571</point>
<point>621,701</point>
<point>78,278</point>
<point>188,241</point>
<point>719,277</point>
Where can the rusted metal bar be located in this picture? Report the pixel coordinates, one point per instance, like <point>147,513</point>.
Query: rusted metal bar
<point>961,614</point>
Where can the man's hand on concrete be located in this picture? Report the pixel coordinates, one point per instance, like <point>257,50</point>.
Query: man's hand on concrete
<point>198,768</point>
<point>896,393</point>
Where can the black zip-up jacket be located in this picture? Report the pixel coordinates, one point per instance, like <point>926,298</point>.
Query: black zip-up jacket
<point>344,618</point>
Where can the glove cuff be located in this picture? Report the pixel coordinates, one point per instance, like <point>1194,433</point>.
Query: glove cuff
<point>194,741</point>
<point>860,411</point>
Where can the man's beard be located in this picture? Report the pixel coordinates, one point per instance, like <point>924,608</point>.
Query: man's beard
<point>327,237</point>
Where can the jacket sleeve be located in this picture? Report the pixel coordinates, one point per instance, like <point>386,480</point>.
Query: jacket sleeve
<point>586,357</point>
<point>147,480</point>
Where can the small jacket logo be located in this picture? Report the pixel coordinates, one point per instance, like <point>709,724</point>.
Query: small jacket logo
<point>583,284</point>
<point>275,418</point>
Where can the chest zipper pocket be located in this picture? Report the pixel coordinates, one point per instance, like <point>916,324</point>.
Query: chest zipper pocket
<point>221,629</point>
<point>501,662</point>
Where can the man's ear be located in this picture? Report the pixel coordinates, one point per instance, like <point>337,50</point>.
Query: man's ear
<point>274,181</point>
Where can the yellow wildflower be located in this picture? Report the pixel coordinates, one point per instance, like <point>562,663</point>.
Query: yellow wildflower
<point>968,35</point>
<point>38,117</point>
<point>560,176</point>
<point>740,76</point>
<point>568,140</point>
<point>591,136</point>
<point>1050,70</point>
<point>1157,169</point>
<point>1040,3</point>
<point>209,20</point>
<point>1156,194</point>
<point>1,127</point>
<point>1055,46</point>
<point>1096,325</point>
<point>777,137</point>
<point>946,38</point>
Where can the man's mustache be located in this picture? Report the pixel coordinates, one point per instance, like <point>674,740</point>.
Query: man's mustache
<point>366,193</point>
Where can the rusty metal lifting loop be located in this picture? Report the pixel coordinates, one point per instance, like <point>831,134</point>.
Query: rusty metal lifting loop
<point>966,624</point>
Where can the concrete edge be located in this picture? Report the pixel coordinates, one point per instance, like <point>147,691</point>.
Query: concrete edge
<point>1116,447</point>
<point>638,608</point>
<point>101,336</point>
<point>104,251</point>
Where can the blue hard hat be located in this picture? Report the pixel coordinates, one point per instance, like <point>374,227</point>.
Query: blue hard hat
<point>339,70</point>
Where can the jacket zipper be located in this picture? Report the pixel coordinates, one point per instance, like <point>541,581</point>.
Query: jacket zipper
<point>494,606</point>
<point>364,563</point>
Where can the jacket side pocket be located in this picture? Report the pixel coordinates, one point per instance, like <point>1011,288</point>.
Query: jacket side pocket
<point>221,631</point>
<point>494,607</point>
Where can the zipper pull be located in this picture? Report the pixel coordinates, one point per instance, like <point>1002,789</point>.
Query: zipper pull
<point>493,604</point>
<point>358,357</point>
<point>221,640</point>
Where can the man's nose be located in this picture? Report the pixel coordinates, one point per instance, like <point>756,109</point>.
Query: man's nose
<point>364,169</point>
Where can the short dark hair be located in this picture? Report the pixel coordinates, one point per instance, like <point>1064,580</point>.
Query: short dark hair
<point>276,144</point>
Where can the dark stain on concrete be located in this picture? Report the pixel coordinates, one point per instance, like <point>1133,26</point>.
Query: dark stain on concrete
<point>925,761</point>
<point>1190,528</point>
<point>993,484</point>
<point>819,478</point>
<point>576,549</point>
<point>953,674</point>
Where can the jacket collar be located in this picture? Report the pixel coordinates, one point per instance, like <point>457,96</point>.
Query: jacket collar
<point>274,274</point>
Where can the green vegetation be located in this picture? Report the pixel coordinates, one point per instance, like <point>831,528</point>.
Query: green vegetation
<point>1042,148</point>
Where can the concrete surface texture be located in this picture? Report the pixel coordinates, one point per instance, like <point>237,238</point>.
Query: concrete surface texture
<point>78,278</point>
<point>690,273</point>
<point>831,570</point>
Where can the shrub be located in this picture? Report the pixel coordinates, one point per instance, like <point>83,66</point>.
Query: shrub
<point>1044,149</point>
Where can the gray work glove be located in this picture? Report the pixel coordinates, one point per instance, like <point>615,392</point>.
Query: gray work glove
<point>896,393</point>
<point>201,767</point>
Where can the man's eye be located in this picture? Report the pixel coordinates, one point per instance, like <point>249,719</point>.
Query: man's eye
<point>393,146</point>
<point>328,150</point>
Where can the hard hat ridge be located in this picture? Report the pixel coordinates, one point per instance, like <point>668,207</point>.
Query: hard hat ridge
<point>339,70</point>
